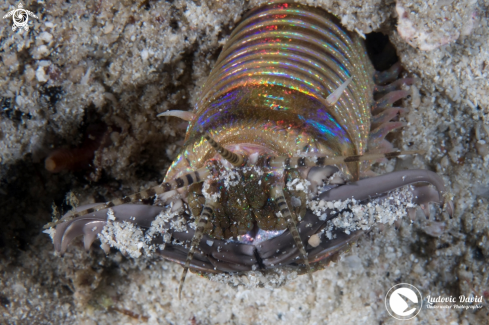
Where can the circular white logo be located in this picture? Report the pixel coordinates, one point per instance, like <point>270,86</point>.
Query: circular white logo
<point>403,301</point>
<point>20,17</point>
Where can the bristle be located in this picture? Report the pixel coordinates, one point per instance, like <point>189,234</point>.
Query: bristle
<point>335,95</point>
<point>186,180</point>
<point>184,115</point>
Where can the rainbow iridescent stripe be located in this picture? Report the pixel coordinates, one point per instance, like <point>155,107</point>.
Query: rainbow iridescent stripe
<point>269,84</point>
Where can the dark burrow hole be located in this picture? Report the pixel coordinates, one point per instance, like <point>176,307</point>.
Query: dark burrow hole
<point>380,51</point>
<point>27,193</point>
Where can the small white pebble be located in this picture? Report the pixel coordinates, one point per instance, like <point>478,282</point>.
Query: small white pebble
<point>314,240</point>
<point>110,214</point>
<point>45,37</point>
<point>144,54</point>
<point>41,75</point>
<point>300,187</point>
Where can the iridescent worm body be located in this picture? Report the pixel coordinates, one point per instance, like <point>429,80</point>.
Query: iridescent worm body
<point>291,98</point>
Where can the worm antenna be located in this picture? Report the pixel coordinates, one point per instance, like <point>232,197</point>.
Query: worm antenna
<point>318,161</point>
<point>201,222</point>
<point>278,195</point>
<point>235,159</point>
<point>186,180</point>
<point>335,95</point>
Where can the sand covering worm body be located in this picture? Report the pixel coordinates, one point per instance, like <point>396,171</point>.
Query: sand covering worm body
<point>285,127</point>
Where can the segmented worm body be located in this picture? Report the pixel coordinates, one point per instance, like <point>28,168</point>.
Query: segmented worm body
<point>291,97</point>
<point>269,87</point>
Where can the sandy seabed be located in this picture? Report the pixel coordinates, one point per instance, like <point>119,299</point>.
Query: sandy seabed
<point>123,62</point>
